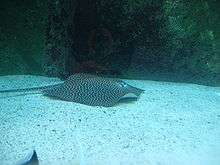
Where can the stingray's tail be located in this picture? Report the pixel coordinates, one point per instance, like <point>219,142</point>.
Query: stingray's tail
<point>29,89</point>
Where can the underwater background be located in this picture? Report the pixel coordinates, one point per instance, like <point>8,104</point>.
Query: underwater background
<point>170,49</point>
<point>171,40</point>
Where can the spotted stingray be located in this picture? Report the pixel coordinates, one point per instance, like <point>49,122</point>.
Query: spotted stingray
<point>90,90</point>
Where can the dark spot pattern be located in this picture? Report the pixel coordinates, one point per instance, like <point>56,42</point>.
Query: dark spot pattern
<point>92,90</point>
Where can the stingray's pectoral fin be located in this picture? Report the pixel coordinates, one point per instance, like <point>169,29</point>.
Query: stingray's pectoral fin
<point>129,95</point>
<point>31,159</point>
<point>128,98</point>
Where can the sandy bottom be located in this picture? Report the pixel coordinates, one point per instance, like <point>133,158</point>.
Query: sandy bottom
<point>170,124</point>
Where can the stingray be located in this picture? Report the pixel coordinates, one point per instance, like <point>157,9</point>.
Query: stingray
<point>89,90</point>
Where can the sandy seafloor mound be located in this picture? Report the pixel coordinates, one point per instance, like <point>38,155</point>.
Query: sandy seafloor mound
<point>170,124</point>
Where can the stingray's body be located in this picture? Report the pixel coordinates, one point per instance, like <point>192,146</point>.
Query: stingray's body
<point>91,90</point>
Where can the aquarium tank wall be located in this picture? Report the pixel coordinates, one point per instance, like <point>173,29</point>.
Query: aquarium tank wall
<point>84,81</point>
